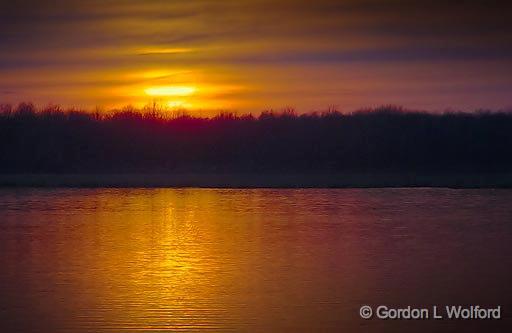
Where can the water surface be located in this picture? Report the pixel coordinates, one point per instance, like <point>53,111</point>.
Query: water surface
<point>150,260</point>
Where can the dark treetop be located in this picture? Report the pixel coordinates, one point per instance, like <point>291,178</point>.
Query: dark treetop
<point>386,139</point>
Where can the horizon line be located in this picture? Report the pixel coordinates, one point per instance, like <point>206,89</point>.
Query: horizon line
<point>163,108</point>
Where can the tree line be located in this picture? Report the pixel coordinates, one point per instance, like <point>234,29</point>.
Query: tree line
<point>384,139</point>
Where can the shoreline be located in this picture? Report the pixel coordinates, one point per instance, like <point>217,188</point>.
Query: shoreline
<point>252,180</point>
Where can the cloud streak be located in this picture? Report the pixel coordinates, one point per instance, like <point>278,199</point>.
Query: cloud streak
<point>315,48</point>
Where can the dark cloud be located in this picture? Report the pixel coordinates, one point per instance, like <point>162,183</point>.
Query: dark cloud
<point>60,24</point>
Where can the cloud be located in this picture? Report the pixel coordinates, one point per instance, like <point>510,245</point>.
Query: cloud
<point>230,39</point>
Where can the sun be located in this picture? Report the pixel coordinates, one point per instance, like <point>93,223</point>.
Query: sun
<point>174,97</point>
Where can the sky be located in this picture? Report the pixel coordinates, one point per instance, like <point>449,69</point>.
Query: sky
<point>256,55</point>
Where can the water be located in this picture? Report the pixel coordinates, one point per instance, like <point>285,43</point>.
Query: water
<point>150,260</point>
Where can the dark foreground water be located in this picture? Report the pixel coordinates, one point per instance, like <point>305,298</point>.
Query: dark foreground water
<point>137,260</point>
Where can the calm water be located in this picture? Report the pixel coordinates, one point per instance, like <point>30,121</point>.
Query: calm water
<point>136,260</point>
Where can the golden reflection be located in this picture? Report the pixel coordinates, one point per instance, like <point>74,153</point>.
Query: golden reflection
<point>185,259</point>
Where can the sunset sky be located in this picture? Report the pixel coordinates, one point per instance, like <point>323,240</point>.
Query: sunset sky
<point>255,55</point>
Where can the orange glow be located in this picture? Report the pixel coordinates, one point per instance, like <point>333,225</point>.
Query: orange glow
<point>309,56</point>
<point>170,91</point>
<point>157,50</point>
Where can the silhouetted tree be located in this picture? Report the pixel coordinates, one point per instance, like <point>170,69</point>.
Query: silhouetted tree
<point>386,139</point>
